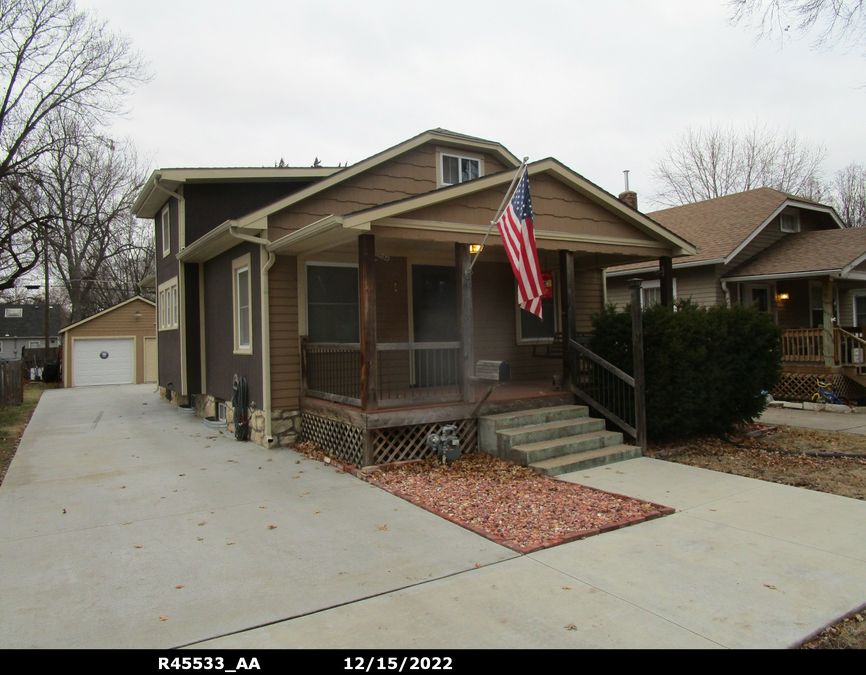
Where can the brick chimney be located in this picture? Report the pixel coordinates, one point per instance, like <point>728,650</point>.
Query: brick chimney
<point>629,197</point>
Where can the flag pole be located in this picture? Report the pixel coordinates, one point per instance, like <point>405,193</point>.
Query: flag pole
<point>505,199</point>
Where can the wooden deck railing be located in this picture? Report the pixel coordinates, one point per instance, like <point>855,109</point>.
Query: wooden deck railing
<point>849,349</point>
<point>803,345</point>
<point>408,373</point>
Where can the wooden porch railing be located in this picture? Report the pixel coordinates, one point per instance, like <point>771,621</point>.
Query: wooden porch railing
<point>604,387</point>
<point>803,345</point>
<point>408,373</point>
<point>849,349</point>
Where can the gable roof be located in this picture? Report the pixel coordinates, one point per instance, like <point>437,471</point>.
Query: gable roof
<point>442,135</point>
<point>31,323</point>
<point>834,252</point>
<point>335,229</point>
<point>723,226</point>
<point>106,311</point>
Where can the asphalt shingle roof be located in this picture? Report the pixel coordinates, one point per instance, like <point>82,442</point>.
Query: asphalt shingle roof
<point>31,323</point>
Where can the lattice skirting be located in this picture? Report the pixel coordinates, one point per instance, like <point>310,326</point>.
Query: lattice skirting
<point>801,386</point>
<point>341,440</point>
<point>396,444</point>
<point>401,443</point>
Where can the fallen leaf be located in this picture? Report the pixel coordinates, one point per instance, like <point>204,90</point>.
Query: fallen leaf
<point>383,528</point>
<point>202,523</point>
<point>295,476</point>
<point>122,487</point>
<point>478,565</point>
<point>181,474</point>
<point>566,588</point>
<point>316,512</point>
<point>770,587</point>
<point>272,527</point>
<point>571,626</point>
<point>230,543</point>
<point>263,507</point>
<point>128,522</point>
<point>137,546</point>
<point>64,510</point>
<point>207,446</point>
<point>164,617</point>
<point>271,459</point>
<point>200,538</point>
<point>178,587</point>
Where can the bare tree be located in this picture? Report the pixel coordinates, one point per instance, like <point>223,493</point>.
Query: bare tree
<point>89,184</point>
<point>849,196</point>
<point>130,260</point>
<point>20,225</point>
<point>834,20</point>
<point>714,161</point>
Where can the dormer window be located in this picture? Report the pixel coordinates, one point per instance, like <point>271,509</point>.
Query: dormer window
<point>789,222</point>
<point>457,169</point>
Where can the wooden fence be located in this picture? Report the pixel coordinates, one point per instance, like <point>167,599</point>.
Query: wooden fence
<point>11,383</point>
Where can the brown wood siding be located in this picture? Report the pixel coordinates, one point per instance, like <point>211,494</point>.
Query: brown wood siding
<point>285,348</point>
<point>211,204</point>
<point>119,322</point>
<point>166,267</point>
<point>793,312</point>
<point>700,284</point>
<point>192,334</point>
<point>556,207</point>
<point>495,324</point>
<point>222,363</point>
<point>589,297</point>
<point>409,174</point>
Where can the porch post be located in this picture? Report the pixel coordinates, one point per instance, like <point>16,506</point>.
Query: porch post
<point>464,311</point>
<point>367,283</point>
<point>639,379</point>
<point>567,302</point>
<point>666,277</point>
<point>827,300</point>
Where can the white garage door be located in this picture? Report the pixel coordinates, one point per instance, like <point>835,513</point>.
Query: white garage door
<point>104,361</point>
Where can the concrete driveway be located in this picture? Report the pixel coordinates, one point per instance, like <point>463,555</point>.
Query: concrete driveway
<point>164,521</point>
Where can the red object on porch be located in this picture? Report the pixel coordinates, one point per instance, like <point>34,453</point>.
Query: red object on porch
<point>518,235</point>
<point>547,284</point>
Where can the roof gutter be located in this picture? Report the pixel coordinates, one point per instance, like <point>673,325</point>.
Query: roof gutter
<point>266,320</point>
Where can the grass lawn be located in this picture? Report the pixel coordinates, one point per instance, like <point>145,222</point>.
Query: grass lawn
<point>13,420</point>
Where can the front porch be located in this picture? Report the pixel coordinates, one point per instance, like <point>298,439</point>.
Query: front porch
<point>838,356</point>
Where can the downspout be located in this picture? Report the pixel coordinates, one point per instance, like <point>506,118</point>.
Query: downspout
<point>727,292</point>
<point>266,322</point>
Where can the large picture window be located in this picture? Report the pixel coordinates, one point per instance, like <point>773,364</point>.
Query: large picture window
<point>242,305</point>
<point>332,303</point>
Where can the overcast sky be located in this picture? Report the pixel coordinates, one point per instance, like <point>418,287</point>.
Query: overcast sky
<point>601,86</point>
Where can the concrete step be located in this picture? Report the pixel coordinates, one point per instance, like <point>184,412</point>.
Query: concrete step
<point>506,439</point>
<point>488,425</point>
<point>530,453</point>
<point>586,460</point>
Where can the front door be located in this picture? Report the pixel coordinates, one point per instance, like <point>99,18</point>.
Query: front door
<point>434,319</point>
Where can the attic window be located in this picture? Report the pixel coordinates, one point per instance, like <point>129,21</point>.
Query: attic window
<point>15,313</point>
<point>456,169</point>
<point>789,222</point>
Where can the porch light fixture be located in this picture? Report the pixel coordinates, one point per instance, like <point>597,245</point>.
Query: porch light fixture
<point>784,296</point>
<point>475,248</point>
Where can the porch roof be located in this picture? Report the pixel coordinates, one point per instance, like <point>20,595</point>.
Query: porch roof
<point>821,253</point>
<point>655,240</point>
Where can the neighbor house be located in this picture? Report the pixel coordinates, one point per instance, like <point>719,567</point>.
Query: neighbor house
<point>348,300</point>
<point>22,326</point>
<point>787,256</point>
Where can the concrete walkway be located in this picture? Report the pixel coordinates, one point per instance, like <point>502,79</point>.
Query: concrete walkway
<point>851,423</point>
<point>163,521</point>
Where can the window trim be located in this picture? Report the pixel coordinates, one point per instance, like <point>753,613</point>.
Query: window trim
<point>657,283</point>
<point>168,305</point>
<point>165,221</point>
<point>441,166</point>
<point>13,313</point>
<point>557,316</point>
<point>238,266</point>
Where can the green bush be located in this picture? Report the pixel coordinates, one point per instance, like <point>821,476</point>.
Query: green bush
<point>706,368</point>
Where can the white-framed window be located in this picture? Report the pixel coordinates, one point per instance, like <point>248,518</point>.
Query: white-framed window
<point>14,312</point>
<point>530,329</point>
<point>166,231</point>
<point>333,307</point>
<point>789,222</point>
<point>34,344</point>
<point>456,169</point>
<point>242,295</point>
<point>168,305</point>
<point>651,292</point>
<point>222,410</point>
<point>759,296</point>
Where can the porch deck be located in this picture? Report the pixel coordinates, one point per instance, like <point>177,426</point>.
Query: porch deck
<point>365,438</point>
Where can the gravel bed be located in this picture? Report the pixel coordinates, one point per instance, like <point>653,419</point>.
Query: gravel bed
<point>507,503</point>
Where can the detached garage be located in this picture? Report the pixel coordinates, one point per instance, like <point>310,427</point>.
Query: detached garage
<point>116,346</point>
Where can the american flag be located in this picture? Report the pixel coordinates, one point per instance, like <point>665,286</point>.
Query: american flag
<point>518,235</point>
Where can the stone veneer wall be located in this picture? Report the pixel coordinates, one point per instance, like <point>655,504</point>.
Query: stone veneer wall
<point>285,424</point>
<point>173,397</point>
